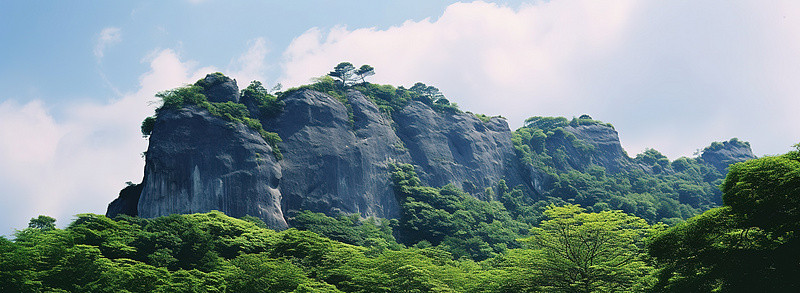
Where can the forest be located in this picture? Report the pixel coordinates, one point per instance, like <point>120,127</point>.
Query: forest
<point>444,241</point>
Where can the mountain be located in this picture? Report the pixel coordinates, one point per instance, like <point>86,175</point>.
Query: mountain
<point>325,149</point>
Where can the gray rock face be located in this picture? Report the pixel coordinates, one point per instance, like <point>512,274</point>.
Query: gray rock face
<point>458,148</point>
<point>720,155</point>
<point>332,165</point>
<point>219,88</point>
<point>336,157</point>
<point>197,162</point>
<point>607,152</point>
<point>127,202</point>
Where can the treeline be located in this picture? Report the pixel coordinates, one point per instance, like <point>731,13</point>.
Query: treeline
<point>649,186</point>
<point>445,241</point>
<point>215,253</point>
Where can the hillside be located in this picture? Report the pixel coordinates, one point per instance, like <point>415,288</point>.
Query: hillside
<point>371,188</point>
<point>749,244</point>
<point>326,148</point>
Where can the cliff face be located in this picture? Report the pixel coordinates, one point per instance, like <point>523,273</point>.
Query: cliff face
<point>458,148</point>
<point>197,162</point>
<point>720,155</point>
<point>336,156</point>
<point>579,146</point>
<point>331,164</point>
<point>607,151</point>
<point>335,164</point>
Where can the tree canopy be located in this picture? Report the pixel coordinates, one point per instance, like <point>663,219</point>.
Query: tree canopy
<point>748,245</point>
<point>591,252</point>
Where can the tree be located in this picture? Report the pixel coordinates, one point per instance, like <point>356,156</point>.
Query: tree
<point>365,71</point>
<point>428,91</point>
<point>344,72</point>
<point>589,252</point>
<point>276,89</point>
<point>147,126</point>
<point>750,244</point>
<point>42,223</point>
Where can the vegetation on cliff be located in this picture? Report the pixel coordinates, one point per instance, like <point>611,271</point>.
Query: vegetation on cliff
<point>235,112</point>
<point>749,244</point>
<point>649,185</point>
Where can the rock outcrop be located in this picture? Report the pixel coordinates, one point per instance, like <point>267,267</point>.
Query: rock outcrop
<point>722,154</point>
<point>336,156</point>
<point>607,152</point>
<point>197,162</point>
<point>579,146</point>
<point>332,164</point>
<point>219,88</point>
<point>458,148</point>
<point>127,203</point>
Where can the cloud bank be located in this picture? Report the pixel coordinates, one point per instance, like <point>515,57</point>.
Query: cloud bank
<point>78,163</point>
<point>671,75</point>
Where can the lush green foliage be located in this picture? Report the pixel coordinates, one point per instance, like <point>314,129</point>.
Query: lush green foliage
<point>350,229</point>
<point>147,126</point>
<point>215,253</point>
<point>669,192</point>
<point>364,71</point>
<point>268,105</point>
<point>347,74</point>
<point>458,222</point>
<point>591,252</point>
<point>389,99</point>
<point>344,73</point>
<point>234,112</point>
<point>748,245</point>
<point>715,146</point>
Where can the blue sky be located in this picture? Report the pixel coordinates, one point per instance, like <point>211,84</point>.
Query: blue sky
<point>77,77</point>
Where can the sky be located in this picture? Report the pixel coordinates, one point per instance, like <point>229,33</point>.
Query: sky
<point>78,77</point>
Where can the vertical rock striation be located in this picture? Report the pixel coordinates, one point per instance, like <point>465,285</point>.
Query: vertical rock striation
<point>332,163</point>
<point>458,148</point>
<point>197,162</point>
<point>336,156</point>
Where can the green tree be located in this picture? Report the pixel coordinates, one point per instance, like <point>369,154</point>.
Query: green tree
<point>42,223</point>
<point>591,252</point>
<point>750,244</point>
<point>344,73</point>
<point>147,126</point>
<point>364,71</point>
<point>430,93</point>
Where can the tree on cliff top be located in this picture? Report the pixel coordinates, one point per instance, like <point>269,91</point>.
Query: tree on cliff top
<point>344,73</point>
<point>365,71</point>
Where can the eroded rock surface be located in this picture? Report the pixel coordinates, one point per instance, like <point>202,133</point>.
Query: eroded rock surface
<point>197,162</point>
<point>332,164</point>
<point>458,148</point>
<point>722,154</point>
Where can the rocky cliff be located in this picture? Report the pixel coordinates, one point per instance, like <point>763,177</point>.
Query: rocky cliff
<point>458,148</point>
<point>336,152</point>
<point>722,154</point>
<point>332,164</point>
<point>197,162</point>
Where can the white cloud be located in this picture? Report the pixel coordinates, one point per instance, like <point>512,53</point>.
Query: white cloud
<point>671,75</point>
<point>79,163</point>
<point>108,36</point>
<point>252,64</point>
